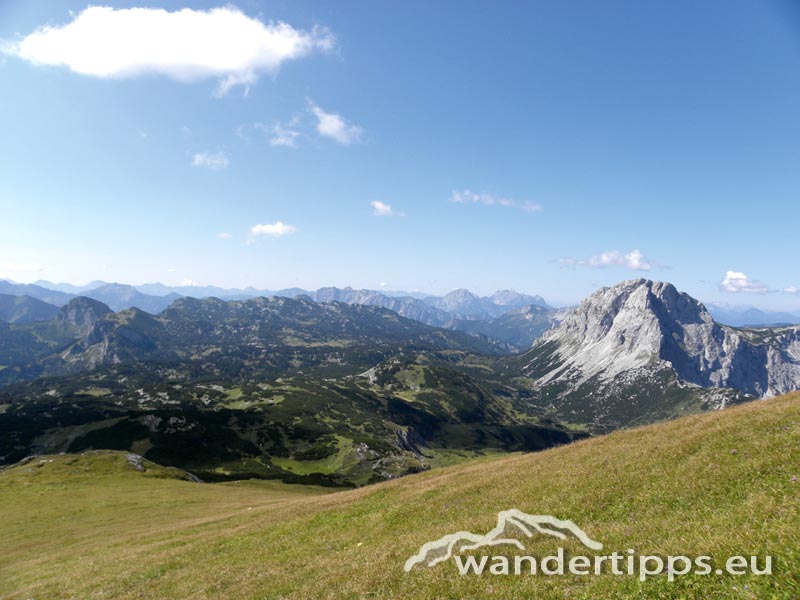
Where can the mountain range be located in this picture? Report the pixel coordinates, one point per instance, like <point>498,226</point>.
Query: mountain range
<point>334,388</point>
<point>459,309</point>
<point>155,297</point>
<point>269,336</point>
<point>464,304</point>
<point>270,387</point>
<point>455,310</point>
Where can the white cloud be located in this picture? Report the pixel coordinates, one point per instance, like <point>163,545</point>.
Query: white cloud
<point>215,162</point>
<point>11,268</point>
<point>634,260</point>
<point>335,127</point>
<point>468,196</point>
<point>736,282</point>
<point>189,283</point>
<point>280,133</point>
<point>283,135</point>
<point>276,229</point>
<point>241,132</point>
<point>224,235</point>
<point>381,209</point>
<point>186,45</point>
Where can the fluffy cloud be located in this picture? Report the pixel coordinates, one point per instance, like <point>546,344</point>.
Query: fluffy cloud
<point>792,290</point>
<point>287,134</point>
<point>334,126</point>
<point>283,135</point>
<point>276,229</point>
<point>737,282</point>
<point>215,161</point>
<point>467,196</point>
<point>186,45</point>
<point>381,209</point>
<point>634,260</point>
<point>224,235</point>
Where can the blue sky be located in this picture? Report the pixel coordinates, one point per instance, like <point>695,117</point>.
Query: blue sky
<point>550,147</point>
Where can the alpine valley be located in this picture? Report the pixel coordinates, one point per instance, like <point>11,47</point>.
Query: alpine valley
<point>344,387</point>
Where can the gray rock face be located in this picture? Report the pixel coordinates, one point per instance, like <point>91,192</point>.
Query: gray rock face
<point>82,313</point>
<point>135,461</point>
<point>642,323</point>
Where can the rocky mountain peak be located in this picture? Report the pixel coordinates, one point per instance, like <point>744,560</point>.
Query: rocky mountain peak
<point>642,323</point>
<point>461,294</point>
<point>461,302</point>
<point>83,312</point>
<point>632,307</point>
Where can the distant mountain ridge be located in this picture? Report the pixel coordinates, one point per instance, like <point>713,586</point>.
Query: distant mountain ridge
<point>119,297</point>
<point>464,304</point>
<point>116,295</point>
<point>749,316</point>
<point>406,306</point>
<point>437,311</point>
<point>514,299</point>
<point>25,309</point>
<point>38,292</point>
<point>520,327</point>
<point>269,336</point>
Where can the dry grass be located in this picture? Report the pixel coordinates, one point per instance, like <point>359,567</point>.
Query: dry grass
<point>717,484</point>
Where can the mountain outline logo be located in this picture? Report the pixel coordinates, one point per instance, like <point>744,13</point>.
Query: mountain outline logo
<point>445,547</point>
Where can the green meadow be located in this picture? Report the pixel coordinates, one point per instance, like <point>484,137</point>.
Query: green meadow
<point>719,484</point>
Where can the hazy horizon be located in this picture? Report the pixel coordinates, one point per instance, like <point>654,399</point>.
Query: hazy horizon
<point>742,304</point>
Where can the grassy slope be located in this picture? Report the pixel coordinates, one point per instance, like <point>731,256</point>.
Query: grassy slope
<point>673,488</point>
